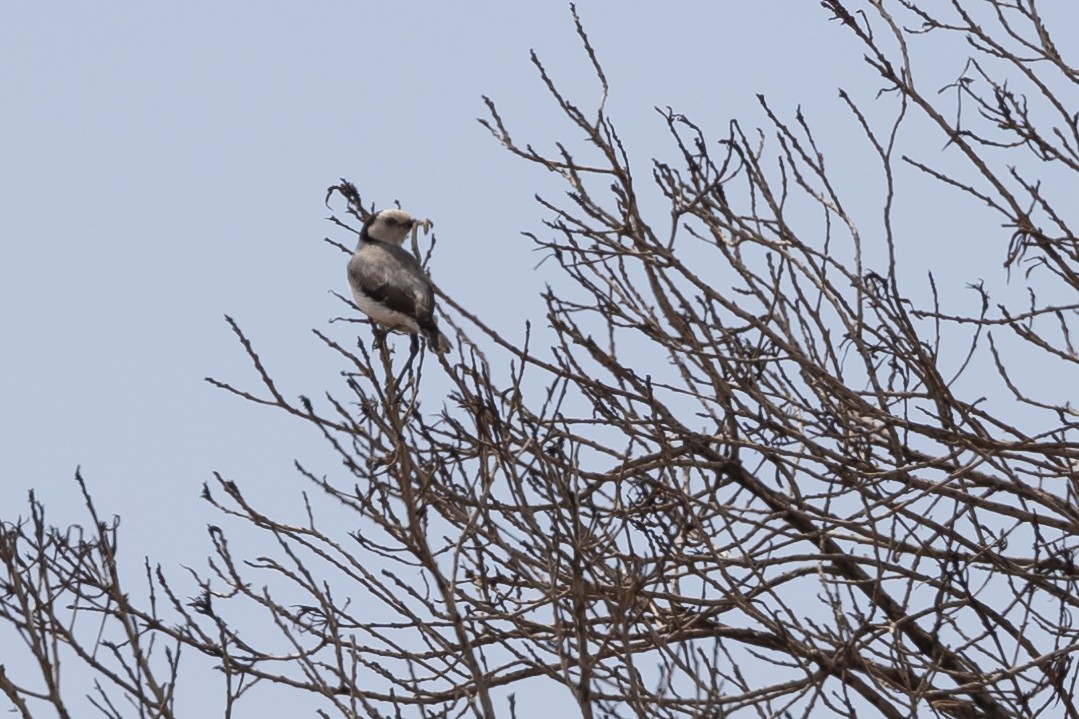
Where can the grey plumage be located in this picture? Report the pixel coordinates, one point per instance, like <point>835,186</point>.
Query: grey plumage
<point>388,283</point>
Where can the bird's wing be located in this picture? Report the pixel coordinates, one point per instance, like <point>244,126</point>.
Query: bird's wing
<point>393,278</point>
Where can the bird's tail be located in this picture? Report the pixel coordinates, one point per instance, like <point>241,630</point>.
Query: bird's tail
<point>436,340</point>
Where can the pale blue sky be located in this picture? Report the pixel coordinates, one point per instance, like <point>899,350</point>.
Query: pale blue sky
<point>163,165</point>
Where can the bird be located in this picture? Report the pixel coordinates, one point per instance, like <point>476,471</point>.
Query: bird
<point>388,283</point>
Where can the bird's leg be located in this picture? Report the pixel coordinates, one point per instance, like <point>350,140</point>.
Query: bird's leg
<point>413,349</point>
<point>379,334</point>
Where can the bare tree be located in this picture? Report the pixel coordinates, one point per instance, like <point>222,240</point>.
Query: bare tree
<point>748,476</point>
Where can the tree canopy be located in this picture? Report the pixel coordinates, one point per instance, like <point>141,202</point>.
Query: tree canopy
<point>753,472</point>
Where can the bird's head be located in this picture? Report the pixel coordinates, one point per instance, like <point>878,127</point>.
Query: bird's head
<point>390,226</point>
